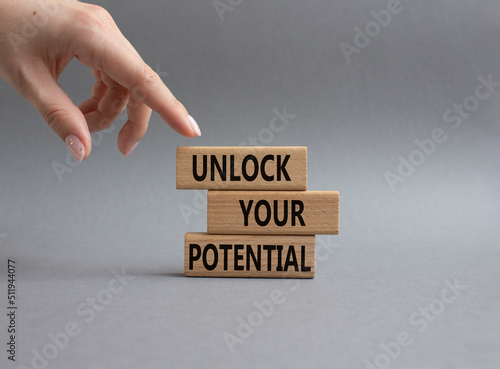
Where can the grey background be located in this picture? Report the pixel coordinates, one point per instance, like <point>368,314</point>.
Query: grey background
<point>395,249</point>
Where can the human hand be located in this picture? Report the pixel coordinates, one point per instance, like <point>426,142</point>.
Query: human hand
<point>39,38</point>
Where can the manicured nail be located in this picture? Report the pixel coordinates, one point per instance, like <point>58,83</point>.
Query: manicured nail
<point>75,146</point>
<point>131,148</point>
<point>194,125</point>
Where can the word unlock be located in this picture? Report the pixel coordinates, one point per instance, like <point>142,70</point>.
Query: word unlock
<point>242,168</point>
<point>249,168</point>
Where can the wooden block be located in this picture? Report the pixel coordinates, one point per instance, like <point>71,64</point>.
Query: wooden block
<point>265,256</point>
<point>242,168</point>
<point>273,212</point>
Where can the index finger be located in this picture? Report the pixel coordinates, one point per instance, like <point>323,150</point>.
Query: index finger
<point>110,55</point>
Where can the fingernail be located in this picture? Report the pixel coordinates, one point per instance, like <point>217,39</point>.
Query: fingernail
<point>194,125</point>
<point>131,148</point>
<point>75,146</point>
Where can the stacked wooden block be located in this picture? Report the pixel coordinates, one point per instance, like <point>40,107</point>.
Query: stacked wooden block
<point>261,221</point>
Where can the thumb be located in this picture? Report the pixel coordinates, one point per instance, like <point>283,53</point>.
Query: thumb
<point>61,115</point>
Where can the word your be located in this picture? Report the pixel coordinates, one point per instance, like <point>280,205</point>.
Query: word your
<point>297,207</point>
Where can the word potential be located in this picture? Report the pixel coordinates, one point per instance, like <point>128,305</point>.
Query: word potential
<point>249,255</point>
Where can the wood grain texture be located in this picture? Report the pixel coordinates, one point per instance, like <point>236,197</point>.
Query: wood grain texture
<point>280,256</point>
<point>242,168</point>
<point>254,212</point>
